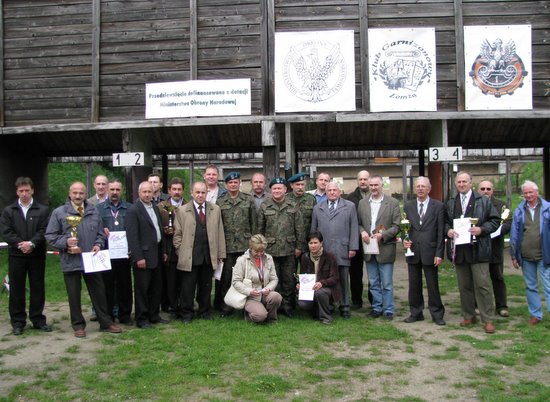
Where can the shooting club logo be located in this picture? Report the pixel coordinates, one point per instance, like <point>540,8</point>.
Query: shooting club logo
<point>314,70</point>
<point>498,70</point>
<point>403,66</point>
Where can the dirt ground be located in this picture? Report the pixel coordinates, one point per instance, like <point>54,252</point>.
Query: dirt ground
<point>429,379</point>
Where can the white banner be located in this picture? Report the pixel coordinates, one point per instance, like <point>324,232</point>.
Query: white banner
<point>498,67</point>
<point>402,69</point>
<point>314,71</point>
<point>198,98</point>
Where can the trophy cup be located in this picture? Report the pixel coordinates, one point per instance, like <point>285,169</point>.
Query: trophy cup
<point>505,214</point>
<point>74,221</point>
<point>473,222</point>
<point>405,226</point>
<point>169,230</point>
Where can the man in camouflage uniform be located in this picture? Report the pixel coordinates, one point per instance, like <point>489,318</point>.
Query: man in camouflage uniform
<point>305,201</point>
<point>281,222</point>
<point>239,222</point>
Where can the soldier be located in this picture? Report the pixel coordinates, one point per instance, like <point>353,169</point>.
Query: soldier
<point>239,222</point>
<point>280,221</point>
<point>305,201</point>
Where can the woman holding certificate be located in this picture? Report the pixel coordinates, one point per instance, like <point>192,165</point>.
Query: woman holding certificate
<point>254,275</point>
<point>326,288</point>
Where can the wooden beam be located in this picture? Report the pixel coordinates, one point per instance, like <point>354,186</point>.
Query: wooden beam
<point>270,51</point>
<point>96,59</point>
<point>364,55</point>
<point>193,40</point>
<point>459,51</point>
<point>270,144</point>
<point>290,150</point>
<point>2,121</point>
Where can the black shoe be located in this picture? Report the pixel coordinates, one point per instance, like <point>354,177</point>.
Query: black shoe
<point>161,321</point>
<point>226,313</point>
<point>388,316</point>
<point>17,331</point>
<point>205,316</point>
<point>345,314</point>
<point>411,319</point>
<point>375,314</point>
<point>186,320</point>
<point>43,327</point>
<point>126,321</point>
<point>144,325</point>
<point>355,306</point>
<point>439,321</point>
<point>287,311</point>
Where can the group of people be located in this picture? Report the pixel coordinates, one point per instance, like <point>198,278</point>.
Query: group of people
<point>258,243</point>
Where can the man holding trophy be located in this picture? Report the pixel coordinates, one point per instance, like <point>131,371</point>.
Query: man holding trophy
<point>76,227</point>
<point>426,225</point>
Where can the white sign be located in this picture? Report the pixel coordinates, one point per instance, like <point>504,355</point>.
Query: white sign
<point>314,71</point>
<point>402,69</point>
<point>306,287</point>
<point>498,73</point>
<point>128,159</point>
<point>118,245</point>
<point>96,262</point>
<point>442,154</point>
<point>198,98</point>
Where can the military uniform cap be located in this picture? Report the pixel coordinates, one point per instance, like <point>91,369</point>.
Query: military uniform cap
<point>232,176</point>
<point>297,177</point>
<point>277,180</point>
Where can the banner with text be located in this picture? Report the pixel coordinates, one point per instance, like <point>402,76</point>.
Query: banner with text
<point>498,67</point>
<point>402,69</point>
<point>314,71</point>
<point>197,98</point>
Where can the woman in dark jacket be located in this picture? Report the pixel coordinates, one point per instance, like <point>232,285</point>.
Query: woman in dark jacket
<point>327,283</point>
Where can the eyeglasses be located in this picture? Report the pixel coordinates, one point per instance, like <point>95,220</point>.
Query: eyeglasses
<point>485,188</point>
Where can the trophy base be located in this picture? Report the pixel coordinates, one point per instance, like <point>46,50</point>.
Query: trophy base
<point>409,253</point>
<point>74,250</point>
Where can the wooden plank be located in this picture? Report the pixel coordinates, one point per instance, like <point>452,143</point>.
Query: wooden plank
<point>95,59</point>
<point>364,56</point>
<point>459,42</point>
<point>2,83</point>
<point>193,40</point>
<point>498,8</point>
<point>317,13</point>
<point>268,104</point>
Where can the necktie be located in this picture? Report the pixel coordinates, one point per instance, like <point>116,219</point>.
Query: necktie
<point>201,214</point>
<point>464,204</point>
<point>421,212</point>
<point>331,207</point>
<point>80,210</point>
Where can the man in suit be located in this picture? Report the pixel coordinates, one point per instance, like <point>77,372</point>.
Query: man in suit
<point>22,225</point>
<point>379,219</point>
<point>320,191</point>
<point>199,241</point>
<point>472,259</point>
<point>100,185</point>
<point>357,262</point>
<point>427,242</point>
<point>336,219</point>
<point>496,266</point>
<point>145,244</point>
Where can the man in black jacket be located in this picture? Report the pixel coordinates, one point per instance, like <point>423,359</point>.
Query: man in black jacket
<point>23,225</point>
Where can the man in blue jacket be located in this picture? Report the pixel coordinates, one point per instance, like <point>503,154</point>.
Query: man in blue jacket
<point>530,247</point>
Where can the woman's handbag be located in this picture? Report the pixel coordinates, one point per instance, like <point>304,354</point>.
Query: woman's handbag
<point>234,298</point>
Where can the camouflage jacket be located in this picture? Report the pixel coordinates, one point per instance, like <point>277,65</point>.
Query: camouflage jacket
<point>239,217</point>
<point>282,225</point>
<point>305,204</point>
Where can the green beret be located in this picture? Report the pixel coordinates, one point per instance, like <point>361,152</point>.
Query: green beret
<point>232,176</point>
<point>277,180</point>
<point>297,177</point>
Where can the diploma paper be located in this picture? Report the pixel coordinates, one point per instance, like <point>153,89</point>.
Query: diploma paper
<point>97,262</point>
<point>118,245</point>
<point>371,247</point>
<point>306,287</point>
<point>218,271</point>
<point>497,232</point>
<point>462,227</point>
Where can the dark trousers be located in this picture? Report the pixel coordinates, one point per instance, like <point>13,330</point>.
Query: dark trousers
<point>118,288</point>
<point>416,297</point>
<point>19,268</point>
<point>147,289</point>
<point>223,285</point>
<point>356,279</point>
<point>499,286</point>
<point>170,287</point>
<point>285,266</point>
<point>321,306</point>
<point>199,279</point>
<point>96,289</point>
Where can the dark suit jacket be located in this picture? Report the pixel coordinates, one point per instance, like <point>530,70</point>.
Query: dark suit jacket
<point>142,237</point>
<point>429,238</point>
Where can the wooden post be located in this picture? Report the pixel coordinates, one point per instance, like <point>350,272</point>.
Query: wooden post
<point>546,171</point>
<point>96,56</point>
<point>270,144</point>
<point>193,40</point>
<point>363,48</point>
<point>459,53</point>
<point>290,152</point>
<point>438,138</point>
<point>509,181</point>
<point>138,141</point>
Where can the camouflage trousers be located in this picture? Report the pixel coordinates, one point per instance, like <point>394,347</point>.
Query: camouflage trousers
<point>285,266</point>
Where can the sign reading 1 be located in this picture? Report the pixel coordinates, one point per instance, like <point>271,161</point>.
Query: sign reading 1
<point>128,159</point>
<point>443,154</point>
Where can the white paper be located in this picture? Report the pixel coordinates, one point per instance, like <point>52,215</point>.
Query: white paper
<point>118,245</point>
<point>306,287</point>
<point>462,227</point>
<point>97,262</point>
<point>218,271</point>
<point>371,247</point>
<point>497,232</point>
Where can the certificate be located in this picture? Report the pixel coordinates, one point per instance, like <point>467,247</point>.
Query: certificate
<point>306,287</point>
<point>462,227</point>
<point>497,232</point>
<point>218,271</point>
<point>118,245</point>
<point>96,262</point>
<point>371,247</point>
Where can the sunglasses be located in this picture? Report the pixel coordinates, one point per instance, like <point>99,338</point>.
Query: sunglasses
<point>485,188</point>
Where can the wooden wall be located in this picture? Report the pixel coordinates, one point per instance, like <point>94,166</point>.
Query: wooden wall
<point>65,63</point>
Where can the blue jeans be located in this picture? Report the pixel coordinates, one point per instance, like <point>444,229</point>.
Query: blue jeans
<point>381,286</point>
<point>530,269</point>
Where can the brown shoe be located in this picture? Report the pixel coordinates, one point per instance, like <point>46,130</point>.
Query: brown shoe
<point>534,321</point>
<point>465,322</point>
<point>80,333</point>
<point>113,329</point>
<point>489,328</point>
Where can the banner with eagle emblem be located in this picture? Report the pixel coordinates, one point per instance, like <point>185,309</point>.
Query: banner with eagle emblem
<point>498,67</point>
<point>402,69</point>
<point>314,71</point>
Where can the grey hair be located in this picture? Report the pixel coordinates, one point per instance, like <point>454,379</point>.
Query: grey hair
<point>423,178</point>
<point>529,183</point>
<point>257,241</point>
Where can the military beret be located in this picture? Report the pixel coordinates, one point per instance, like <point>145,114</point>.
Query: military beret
<point>232,176</point>
<point>297,177</point>
<point>277,180</point>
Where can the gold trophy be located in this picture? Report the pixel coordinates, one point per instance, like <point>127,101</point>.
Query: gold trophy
<point>505,214</point>
<point>473,222</point>
<point>169,230</point>
<point>405,226</point>
<point>74,221</point>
